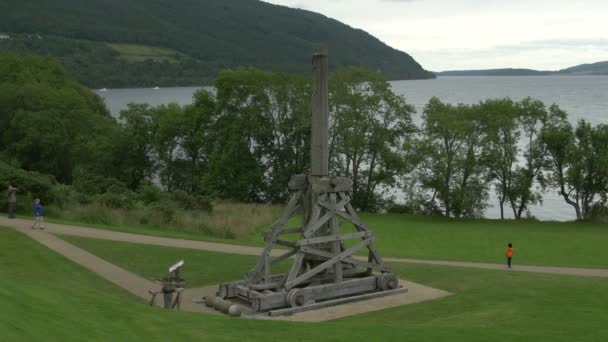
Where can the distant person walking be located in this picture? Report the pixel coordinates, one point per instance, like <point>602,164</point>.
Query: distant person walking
<point>510,253</point>
<point>12,201</point>
<point>38,215</point>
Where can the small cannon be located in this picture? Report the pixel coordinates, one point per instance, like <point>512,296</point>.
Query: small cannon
<point>172,287</point>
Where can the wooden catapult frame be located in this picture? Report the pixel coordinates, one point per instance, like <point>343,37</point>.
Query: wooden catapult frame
<point>325,270</point>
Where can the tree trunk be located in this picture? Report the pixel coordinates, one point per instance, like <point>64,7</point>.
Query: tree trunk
<point>514,208</point>
<point>566,197</point>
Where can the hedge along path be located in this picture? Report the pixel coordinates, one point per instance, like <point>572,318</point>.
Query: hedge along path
<point>94,233</point>
<point>140,286</point>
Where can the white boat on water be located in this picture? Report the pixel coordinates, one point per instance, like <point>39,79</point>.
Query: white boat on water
<point>103,89</point>
<point>156,88</point>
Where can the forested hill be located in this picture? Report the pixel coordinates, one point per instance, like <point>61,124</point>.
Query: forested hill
<point>599,68</point>
<point>178,42</point>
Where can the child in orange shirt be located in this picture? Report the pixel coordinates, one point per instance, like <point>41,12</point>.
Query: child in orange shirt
<point>509,254</point>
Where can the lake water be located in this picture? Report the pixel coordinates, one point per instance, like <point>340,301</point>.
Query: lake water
<point>583,97</point>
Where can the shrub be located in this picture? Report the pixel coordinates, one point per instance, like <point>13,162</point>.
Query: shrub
<point>88,183</point>
<point>400,209</point>
<point>163,211</point>
<point>64,196</point>
<point>30,185</point>
<point>599,212</point>
<point>117,200</point>
<point>189,202</point>
<point>148,194</point>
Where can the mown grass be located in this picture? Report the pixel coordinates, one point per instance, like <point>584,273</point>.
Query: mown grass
<point>575,244</point>
<point>201,267</point>
<point>45,297</point>
<point>141,53</point>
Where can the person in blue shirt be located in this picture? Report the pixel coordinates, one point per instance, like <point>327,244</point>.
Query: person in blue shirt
<point>38,215</point>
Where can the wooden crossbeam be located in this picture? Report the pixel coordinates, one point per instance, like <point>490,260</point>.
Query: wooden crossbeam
<point>354,220</point>
<point>290,230</point>
<point>335,229</point>
<point>289,284</point>
<point>349,260</point>
<point>284,256</point>
<point>264,260</point>
<point>286,243</point>
<point>339,206</point>
<point>295,268</point>
<point>332,238</point>
<point>308,232</point>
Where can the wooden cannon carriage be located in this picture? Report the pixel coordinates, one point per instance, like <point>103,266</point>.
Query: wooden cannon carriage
<point>172,287</point>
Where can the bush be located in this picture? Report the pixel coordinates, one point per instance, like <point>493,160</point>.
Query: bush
<point>189,202</point>
<point>90,184</point>
<point>64,196</point>
<point>599,212</point>
<point>400,209</point>
<point>163,211</point>
<point>30,185</point>
<point>117,200</point>
<point>148,194</point>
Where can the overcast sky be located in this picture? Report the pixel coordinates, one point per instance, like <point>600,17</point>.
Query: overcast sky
<point>479,34</point>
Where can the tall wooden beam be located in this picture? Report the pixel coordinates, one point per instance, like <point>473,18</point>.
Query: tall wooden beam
<point>319,156</point>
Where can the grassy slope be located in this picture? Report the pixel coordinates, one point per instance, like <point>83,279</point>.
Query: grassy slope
<point>536,243</point>
<point>49,298</point>
<point>140,53</point>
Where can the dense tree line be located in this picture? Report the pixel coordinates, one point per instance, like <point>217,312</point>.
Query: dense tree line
<point>97,65</point>
<point>213,34</point>
<point>520,149</point>
<point>244,140</point>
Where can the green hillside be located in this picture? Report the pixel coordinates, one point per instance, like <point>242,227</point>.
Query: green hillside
<point>597,69</point>
<point>494,72</point>
<point>206,35</point>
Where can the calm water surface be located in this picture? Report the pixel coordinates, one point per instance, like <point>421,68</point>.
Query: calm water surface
<point>583,97</point>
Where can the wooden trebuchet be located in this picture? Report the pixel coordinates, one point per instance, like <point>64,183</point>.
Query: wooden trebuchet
<point>324,268</point>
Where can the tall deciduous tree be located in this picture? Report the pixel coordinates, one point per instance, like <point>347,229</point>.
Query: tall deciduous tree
<point>262,134</point>
<point>167,143</point>
<point>369,125</point>
<point>579,160</point>
<point>532,116</point>
<point>139,155</point>
<point>48,122</point>
<point>500,146</point>
<point>450,150</point>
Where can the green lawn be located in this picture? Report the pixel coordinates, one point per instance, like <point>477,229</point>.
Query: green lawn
<point>46,297</point>
<point>536,243</point>
<point>201,268</point>
<point>575,244</point>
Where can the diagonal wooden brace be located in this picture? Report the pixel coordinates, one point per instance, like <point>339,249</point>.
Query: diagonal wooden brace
<point>325,265</point>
